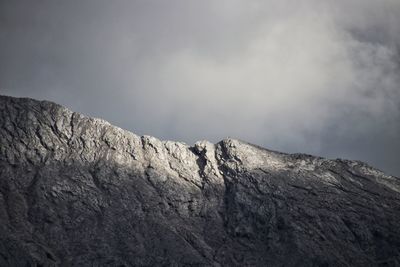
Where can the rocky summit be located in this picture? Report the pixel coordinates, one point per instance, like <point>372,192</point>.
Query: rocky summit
<point>77,191</point>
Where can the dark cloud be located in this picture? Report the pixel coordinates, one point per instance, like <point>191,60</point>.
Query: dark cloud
<point>298,76</point>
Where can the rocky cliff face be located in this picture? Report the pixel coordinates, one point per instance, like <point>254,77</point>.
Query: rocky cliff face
<point>77,191</point>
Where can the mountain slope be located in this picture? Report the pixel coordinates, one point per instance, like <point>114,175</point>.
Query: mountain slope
<point>77,191</point>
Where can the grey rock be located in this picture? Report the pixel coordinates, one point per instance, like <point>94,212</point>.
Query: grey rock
<point>77,191</point>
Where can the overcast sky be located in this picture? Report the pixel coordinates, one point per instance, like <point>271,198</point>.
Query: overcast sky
<point>318,77</point>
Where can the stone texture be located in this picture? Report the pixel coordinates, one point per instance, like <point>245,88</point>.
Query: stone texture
<point>77,191</point>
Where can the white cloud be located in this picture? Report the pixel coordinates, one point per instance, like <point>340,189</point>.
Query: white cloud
<point>313,76</point>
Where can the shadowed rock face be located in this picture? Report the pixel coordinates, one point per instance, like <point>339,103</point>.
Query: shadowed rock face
<point>77,191</point>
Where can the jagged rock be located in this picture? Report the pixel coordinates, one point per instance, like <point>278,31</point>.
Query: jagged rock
<point>77,191</point>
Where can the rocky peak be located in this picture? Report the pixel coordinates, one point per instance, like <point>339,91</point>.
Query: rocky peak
<point>76,190</point>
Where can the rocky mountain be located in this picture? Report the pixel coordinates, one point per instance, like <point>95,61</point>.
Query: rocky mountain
<point>77,191</point>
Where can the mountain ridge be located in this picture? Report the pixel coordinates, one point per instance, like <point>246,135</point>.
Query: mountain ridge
<point>100,120</point>
<point>77,190</point>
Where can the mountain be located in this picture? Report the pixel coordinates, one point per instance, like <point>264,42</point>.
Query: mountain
<point>77,191</point>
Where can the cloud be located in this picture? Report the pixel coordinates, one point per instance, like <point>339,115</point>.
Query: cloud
<point>298,76</point>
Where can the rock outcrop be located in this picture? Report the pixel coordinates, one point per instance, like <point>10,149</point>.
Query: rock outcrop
<point>77,191</point>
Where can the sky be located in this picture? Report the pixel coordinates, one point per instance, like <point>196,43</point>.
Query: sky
<point>311,76</point>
